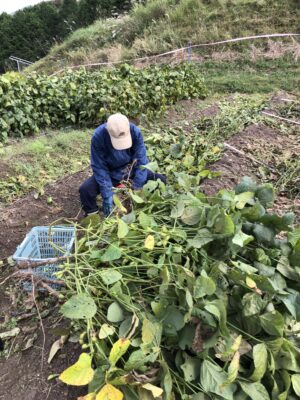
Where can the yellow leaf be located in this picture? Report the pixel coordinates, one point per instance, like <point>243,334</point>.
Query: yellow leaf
<point>156,391</point>
<point>216,149</point>
<point>237,343</point>
<point>80,373</point>
<point>21,178</point>
<point>118,350</point>
<point>149,242</point>
<point>90,396</point>
<point>109,392</point>
<point>118,203</point>
<point>250,283</point>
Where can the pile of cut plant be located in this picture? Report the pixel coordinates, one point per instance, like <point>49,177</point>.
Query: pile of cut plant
<point>187,296</point>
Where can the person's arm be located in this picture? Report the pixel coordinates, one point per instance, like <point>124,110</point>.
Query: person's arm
<point>140,155</point>
<point>100,169</point>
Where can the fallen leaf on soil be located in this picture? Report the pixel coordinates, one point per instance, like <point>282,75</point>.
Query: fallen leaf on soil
<point>57,345</point>
<point>30,342</point>
<point>9,334</point>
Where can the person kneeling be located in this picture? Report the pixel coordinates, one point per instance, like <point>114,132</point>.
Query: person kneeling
<point>117,153</point>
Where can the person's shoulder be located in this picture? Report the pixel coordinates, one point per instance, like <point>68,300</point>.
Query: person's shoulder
<point>99,133</point>
<point>135,130</point>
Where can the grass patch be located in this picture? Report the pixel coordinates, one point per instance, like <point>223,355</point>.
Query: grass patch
<point>33,163</point>
<point>160,25</point>
<point>244,76</point>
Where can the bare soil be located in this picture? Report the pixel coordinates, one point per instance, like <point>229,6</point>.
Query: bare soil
<point>18,218</point>
<point>22,375</point>
<point>5,170</point>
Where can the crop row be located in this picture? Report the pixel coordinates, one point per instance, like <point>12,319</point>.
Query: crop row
<point>31,103</point>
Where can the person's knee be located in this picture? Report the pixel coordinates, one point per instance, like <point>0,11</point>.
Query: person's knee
<point>163,178</point>
<point>83,188</point>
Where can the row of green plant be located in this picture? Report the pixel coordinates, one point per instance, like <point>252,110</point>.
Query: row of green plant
<point>29,103</point>
<point>187,297</point>
<point>194,143</point>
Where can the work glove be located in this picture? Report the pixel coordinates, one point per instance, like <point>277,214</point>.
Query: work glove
<point>107,206</point>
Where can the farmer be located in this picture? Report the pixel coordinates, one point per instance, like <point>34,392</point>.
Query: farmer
<point>117,153</point>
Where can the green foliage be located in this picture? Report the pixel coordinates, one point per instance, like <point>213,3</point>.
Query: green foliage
<point>30,103</point>
<point>207,310</point>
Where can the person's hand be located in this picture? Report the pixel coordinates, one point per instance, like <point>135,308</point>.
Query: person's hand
<point>107,206</point>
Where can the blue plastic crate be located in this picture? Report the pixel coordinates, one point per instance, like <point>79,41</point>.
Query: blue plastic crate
<point>42,243</point>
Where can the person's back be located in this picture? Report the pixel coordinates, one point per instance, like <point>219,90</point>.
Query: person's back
<point>117,153</point>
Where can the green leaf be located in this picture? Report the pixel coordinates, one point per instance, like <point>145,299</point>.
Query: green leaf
<point>265,194</point>
<point>260,359</point>
<point>247,184</point>
<point>119,204</point>
<point>173,320</point>
<point>115,313</point>
<point>151,166</point>
<point>263,234</point>
<point>233,369</point>
<point>292,303</point>
<point>252,304</point>
<point>177,211</point>
<point>294,238</point>
<point>296,383</point>
<point>244,198</point>
<point>122,229</point>
<point>191,368</point>
<point>272,323</point>
<point>137,360</point>
<point>105,331</point>
<point>203,237</point>
<point>151,334</point>
<point>110,276</point>
<point>204,286</point>
<point>166,381</point>
<point>241,239</point>
<point>218,309</point>
<point>274,221</point>
<point>147,221</point>
<point>118,350</point>
<point>79,306</point>
<point>213,378</point>
<point>286,270</point>
<point>224,225</point>
<point>129,218</point>
<point>288,357</point>
<point>137,199</point>
<point>256,391</point>
<point>113,252</point>
<point>191,215</point>
<point>248,269</point>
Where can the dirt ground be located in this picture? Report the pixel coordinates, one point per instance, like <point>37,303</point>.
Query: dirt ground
<point>22,376</point>
<point>19,217</point>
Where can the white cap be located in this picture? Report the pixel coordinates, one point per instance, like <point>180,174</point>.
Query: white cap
<point>119,130</point>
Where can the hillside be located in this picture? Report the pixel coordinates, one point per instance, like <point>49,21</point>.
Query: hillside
<point>161,25</point>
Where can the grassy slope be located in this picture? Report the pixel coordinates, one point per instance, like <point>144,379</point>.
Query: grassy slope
<point>166,24</point>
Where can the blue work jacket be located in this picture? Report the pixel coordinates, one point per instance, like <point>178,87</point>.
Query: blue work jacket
<point>110,166</point>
